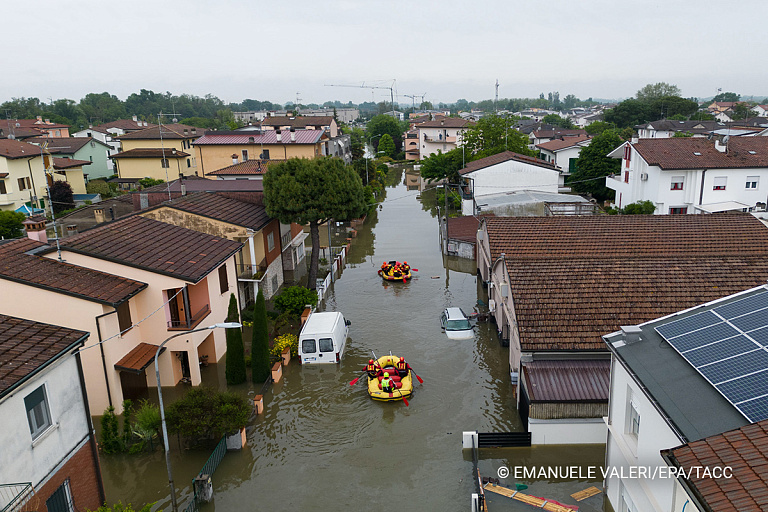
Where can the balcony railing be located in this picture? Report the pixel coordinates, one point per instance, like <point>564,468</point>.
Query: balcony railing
<point>251,272</point>
<point>440,139</point>
<point>13,497</point>
<point>194,320</point>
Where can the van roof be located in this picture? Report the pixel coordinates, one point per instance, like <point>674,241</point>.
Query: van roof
<point>321,322</point>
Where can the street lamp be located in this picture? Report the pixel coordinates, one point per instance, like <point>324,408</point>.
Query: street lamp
<point>224,325</point>
<point>370,143</point>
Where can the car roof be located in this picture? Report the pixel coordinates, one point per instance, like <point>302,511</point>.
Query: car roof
<point>454,313</point>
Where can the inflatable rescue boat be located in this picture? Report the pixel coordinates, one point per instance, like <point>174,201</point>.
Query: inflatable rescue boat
<point>404,383</point>
<point>395,271</point>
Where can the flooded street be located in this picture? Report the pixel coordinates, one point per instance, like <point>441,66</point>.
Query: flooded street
<point>324,444</point>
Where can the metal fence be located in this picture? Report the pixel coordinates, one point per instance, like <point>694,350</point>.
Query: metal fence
<point>208,468</point>
<point>322,286</point>
<point>13,497</point>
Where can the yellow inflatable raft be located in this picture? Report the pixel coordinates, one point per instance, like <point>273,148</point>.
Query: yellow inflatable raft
<point>404,383</point>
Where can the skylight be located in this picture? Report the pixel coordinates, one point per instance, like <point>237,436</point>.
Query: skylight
<point>697,153</point>
<point>753,152</point>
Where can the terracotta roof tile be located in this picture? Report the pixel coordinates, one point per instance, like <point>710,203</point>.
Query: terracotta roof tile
<point>11,149</point>
<point>565,142</point>
<point>265,137</point>
<point>298,121</point>
<point>125,125</point>
<point>62,277</point>
<point>154,246</point>
<point>25,346</point>
<point>680,153</point>
<point>140,356</point>
<point>169,131</point>
<point>745,450</point>
<point>64,145</point>
<point>504,157</point>
<point>217,206</point>
<point>151,153</point>
<point>68,163</point>
<point>249,167</point>
<point>463,228</point>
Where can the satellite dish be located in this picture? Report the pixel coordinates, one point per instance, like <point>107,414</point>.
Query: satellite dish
<point>175,120</point>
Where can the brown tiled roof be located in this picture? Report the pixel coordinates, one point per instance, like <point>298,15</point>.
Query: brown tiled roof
<point>558,132</point>
<point>67,163</point>
<point>745,451</point>
<point>574,279</point>
<point>26,347</point>
<point>36,123</point>
<point>64,145</point>
<point>463,228</point>
<point>568,381</point>
<point>298,121</point>
<point>565,142</point>
<point>249,167</point>
<point>504,157</point>
<point>150,153</point>
<point>60,277</point>
<point>154,246</point>
<point>170,131</point>
<point>680,153</point>
<point>125,125</point>
<point>137,360</point>
<point>217,206</point>
<point>447,122</point>
<point>11,149</point>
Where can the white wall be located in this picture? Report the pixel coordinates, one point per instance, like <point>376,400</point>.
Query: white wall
<point>568,431</point>
<point>21,460</point>
<point>513,176</point>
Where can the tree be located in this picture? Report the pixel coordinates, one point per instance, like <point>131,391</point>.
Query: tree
<point>235,368</point>
<point>598,127</point>
<point>62,196</point>
<point>727,97</point>
<point>669,106</point>
<point>426,105</point>
<point>260,341</point>
<point>293,299</point>
<point>658,90</point>
<point>102,107</point>
<point>629,113</point>
<point>11,224</point>
<point>639,208</point>
<point>387,145</point>
<point>438,166</point>
<point>204,413</point>
<point>119,507</point>
<point>494,134</point>
<point>556,120</point>
<point>357,138</point>
<point>593,165</point>
<point>110,432</point>
<point>313,192</point>
<point>381,124</point>
<point>741,110</point>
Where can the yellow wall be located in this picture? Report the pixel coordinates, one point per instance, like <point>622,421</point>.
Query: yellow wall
<point>74,177</point>
<point>214,157</point>
<point>168,144</point>
<point>19,168</point>
<point>152,168</point>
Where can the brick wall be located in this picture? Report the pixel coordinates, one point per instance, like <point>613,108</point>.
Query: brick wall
<point>84,481</point>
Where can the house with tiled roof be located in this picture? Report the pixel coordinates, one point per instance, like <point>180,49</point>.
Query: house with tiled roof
<point>688,396</point>
<point>269,247</point>
<point>22,175</point>
<point>285,123</point>
<point>161,152</point>
<point>666,128</point>
<point>558,284</point>
<point>50,460</point>
<point>249,169</point>
<point>442,134</point>
<point>458,236</point>
<point>692,175</point>
<point>38,127</point>
<point>107,132</point>
<point>218,149</point>
<point>131,283</point>
<point>546,134</point>
<point>563,152</point>
<point>87,149</point>
<point>507,172</point>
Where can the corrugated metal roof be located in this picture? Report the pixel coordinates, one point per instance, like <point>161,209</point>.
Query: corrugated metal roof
<point>568,381</point>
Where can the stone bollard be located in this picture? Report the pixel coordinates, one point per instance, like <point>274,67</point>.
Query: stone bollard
<point>258,404</point>
<point>286,356</point>
<point>277,372</point>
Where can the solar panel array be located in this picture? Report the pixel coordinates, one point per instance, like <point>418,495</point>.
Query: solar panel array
<point>728,346</point>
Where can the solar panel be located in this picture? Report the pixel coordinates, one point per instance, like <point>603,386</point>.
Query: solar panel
<point>728,346</point>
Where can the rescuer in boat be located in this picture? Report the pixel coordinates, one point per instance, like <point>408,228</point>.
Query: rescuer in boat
<point>387,384</point>
<point>405,267</point>
<point>402,367</point>
<point>373,368</point>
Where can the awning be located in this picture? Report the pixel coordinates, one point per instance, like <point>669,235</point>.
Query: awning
<point>137,360</point>
<point>725,206</point>
<point>27,210</point>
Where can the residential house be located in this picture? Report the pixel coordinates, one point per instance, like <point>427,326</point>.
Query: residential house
<point>79,148</point>
<point>458,236</point>
<point>546,134</point>
<point>132,284</point>
<point>760,110</point>
<point>692,175</point>
<point>71,171</point>
<point>506,172</point>
<point>107,132</point>
<point>159,152</point>
<point>344,115</point>
<point>247,170</point>
<point>38,127</point>
<point>532,203</point>
<point>268,245</point>
<point>218,149</point>
<point>22,175</point>
<point>411,143</point>
<point>557,284</point>
<point>563,152</point>
<point>50,458</point>
<point>285,123</point>
<point>690,389</point>
<point>104,137</point>
<point>441,135</point>
<point>666,128</point>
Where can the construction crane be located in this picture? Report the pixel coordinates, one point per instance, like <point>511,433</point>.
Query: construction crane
<point>363,86</point>
<point>413,99</point>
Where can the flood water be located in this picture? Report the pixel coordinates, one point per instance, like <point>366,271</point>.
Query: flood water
<point>322,444</point>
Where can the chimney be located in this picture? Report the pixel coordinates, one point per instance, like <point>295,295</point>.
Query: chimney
<point>183,189</point>
<point>234,158</point>
<point>194,131</point>
<point>631,333</point>
<point>47,121</point>
<point>279,135</point>
<point>135,119</point>
<point>442,122</point>
<point>721,146</point>
<point>98,213</point>
<point>35,227</point>
<point>185,131</point>
<point>293,135</point>
<point>71,229</point>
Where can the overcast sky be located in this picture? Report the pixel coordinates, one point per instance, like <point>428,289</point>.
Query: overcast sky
<point>272,50</point>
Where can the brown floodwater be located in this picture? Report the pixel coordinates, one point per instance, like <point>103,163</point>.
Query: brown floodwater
<point>322,444</point>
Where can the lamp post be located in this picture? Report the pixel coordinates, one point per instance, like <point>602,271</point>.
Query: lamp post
<point>225,325</point>
<point>370,143</point>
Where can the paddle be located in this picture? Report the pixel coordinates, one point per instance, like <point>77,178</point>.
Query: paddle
<point>413,372</point>
<point>399,393</point>
<point>354,381</point>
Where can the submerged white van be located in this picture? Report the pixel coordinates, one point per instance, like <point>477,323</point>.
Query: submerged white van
<point>323,337</point>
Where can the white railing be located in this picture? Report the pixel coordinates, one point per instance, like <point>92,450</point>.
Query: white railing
<point>338,265</point>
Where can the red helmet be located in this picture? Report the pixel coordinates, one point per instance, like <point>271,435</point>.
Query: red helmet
<point>370,361</point>
<point>405,263</point>
<point>402,359</point>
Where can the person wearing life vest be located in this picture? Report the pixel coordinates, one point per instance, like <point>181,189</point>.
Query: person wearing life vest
<point>372,368</point>
<point>405,267</point>
<point>387,384</point>
<point>402,367</point>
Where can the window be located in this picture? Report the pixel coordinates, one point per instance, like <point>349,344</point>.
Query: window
<point>752,182</point>
<point>24,184</point>
<point>93,144</point>
<point>88,134</point>
<point>308,347</point>
<point>678,210</point>
<point>265,154</point>
<point>164,163</point>
<point>2,187</point>
<point>720,182</point>
<point>124,316</point>
<point>189,163</point>
<point>633,421</point>
<point>194,162</point>
<point>38,413</point>
<point>61,500</point>
<point>270,241</point>
<point>626,176</point>
<point>245,155</point>
<point>677,183</point>
<point>326,345</point>
<point>91,157</point>
<point>223,279</point>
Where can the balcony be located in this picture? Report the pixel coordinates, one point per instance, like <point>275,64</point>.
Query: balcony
<point>250,272</point>
<point>14,497</point>
<point>190,322</point>
<point>440,139</point>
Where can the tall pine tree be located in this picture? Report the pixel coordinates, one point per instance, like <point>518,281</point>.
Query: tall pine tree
<point>260,343</point>
<point>235,370</point>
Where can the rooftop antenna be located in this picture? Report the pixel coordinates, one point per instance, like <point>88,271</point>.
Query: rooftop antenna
<point>162,149</point>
